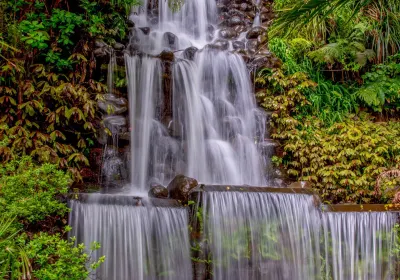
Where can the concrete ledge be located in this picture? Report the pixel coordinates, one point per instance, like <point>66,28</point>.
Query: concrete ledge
<point>361,208</point>
<point>228,188</point>
<point>123,200</point>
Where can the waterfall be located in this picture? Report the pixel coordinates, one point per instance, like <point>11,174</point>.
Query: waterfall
<point>357,245</point>
<point>215,125</point>
<point>138,242</point>
<point>258,235</point>
<point>262,235</point>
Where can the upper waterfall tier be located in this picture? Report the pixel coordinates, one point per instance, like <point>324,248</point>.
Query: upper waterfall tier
<point>194,113</point>
<point>192,22</point>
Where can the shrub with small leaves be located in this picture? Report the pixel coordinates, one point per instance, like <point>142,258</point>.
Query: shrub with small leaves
<point>29,192</point>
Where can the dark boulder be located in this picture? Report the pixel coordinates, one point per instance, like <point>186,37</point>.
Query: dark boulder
<point>190,53</point>
<point>255,32</point>
<point>146,30</point>
<point>227,33</point>
<point>170,40</point>
<point>180,187</point>
<point>158,191</point>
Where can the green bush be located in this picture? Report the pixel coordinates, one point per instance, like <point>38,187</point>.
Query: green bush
<point>30,192</point>
<point>54,258</point>
<point>344,161</point>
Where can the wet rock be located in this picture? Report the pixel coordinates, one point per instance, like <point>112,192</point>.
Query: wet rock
<point>130,23</point>
<point>238,45</point>
<point>252,46</point>
<point>113,105</point>
<point>255,32</point>
<point>100,44</point>
<point>251,14</point>
<point>113,169</point>
<point>180,187</point>
<point>170,40</point>
<point>264,62</point>
<point>146,30</point>
<point>267,147</point>
<point>227,33</point>
<point>222,8</point>
<point>158,191</point>
<point>263,38</point>
<point>116,124</point>
<point>221,44</point>
<point>267,16</point>
<point>167,56</point>
<point>240,28</point>
<point>100,52</point>
<point>190,53</point>
<point>235,20</point>
<point>300,185</point>
<point>119,46</point>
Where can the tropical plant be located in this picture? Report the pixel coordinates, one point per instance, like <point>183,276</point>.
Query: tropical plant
<point>382,17</point>
<point>14,262</point>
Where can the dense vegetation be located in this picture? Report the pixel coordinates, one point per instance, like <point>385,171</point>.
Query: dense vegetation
<point>49,83</point>
<point>336,100</point>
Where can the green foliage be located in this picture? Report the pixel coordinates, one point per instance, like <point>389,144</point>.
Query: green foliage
<point>381,90</point>
<point>55,258</point>
<point>344,160</point>
<point>14,262</point>
<point>30,192</point>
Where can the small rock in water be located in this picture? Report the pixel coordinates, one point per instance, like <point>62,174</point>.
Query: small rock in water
<point>130,23</point>
<point>190,53</point>
<point>238,45</point>
<point>158,191</point>
<point>221,44</point>
<point>170,40</point>
<point>146,30</point>
<point>180,187</point>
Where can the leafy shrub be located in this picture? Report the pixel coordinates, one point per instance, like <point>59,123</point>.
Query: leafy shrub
<point>381,89</point>
<point>30,192</point>
<point>344,160</point>
<point>54,258</point>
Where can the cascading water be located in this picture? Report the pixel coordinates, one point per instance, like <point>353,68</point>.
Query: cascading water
<point>259,235</point>
<point>139,242</point>
<point>262,235</point>
<point>215,122</point>
<point>358,245</point>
